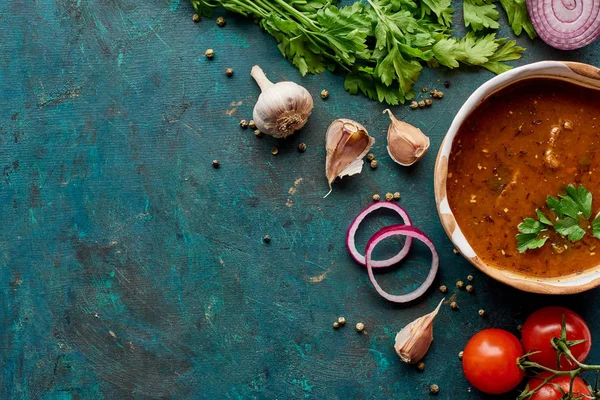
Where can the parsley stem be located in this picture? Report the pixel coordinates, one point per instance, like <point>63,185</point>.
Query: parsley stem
<point>314,36</point>
<point>250,7</point>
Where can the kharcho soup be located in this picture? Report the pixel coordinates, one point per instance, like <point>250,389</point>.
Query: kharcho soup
<point>524,143</point>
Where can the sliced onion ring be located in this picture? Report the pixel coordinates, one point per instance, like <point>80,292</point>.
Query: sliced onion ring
<point>409,232</point>
<point>350,236</point>
<point>566,24</point>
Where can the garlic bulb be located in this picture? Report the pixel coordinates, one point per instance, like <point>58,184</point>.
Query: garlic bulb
<point>347,142</point>
<point>413,341</point>
<point>282,108</point>
<point>406,144</point>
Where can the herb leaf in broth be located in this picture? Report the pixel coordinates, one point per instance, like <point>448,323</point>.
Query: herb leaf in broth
<point>543,219</point>
<point>573,211</point>
<point>596,227</point>
<point>531,236</point>
<point>582,197</point>
<point>570,228</point>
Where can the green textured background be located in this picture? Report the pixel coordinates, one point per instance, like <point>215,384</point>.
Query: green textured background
<point>130,268</point>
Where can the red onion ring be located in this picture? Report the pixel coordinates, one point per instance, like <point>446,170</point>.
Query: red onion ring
<point>566,24</point>
<point>409,232</point>
<point>350,236</point>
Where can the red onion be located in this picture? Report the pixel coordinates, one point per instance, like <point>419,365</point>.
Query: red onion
<point>566,24</point>
<point>409,232</point>
<point>351,243</point>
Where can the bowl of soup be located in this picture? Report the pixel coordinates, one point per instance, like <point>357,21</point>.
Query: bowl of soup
<point>522,136</point>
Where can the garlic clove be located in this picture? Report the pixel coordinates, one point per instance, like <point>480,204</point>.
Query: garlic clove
<point>406,143</point>
<point>413,341</point>
<point>347,143</point>
<point>282,108</point>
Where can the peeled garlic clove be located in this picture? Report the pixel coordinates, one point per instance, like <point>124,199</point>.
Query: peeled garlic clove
<point>347,142</point>
<point>406,144</point>
<point>282,108</point>
<point>413,341</point>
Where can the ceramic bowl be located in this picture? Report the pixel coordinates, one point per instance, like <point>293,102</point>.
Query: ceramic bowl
<point>575,73</point>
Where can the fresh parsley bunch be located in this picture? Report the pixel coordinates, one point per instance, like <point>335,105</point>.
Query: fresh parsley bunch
<point>572,219</point>
<point>381,45</point>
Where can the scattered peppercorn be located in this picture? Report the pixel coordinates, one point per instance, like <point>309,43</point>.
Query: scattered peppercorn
<point>266,238</point>
<point>425,90</point>
<point>274,150</point>
<point>257,133</point>
<point>397,196</point>
<point>302,147</point>
<point>454,305</point>
<point>342,320</point>
<point>460,355</point>
<point>422,104</point>
<point>244,124</point>
<point>360,327</point>
<point>251,124</point>
<point>414,105</point>
<point>324,94</point>
<point>421,366</point>
<point>370,157</point>
<point>428,102</point>
<point>443,289</point>
<point>481,313</point>
<point>336,324</point>
<point>376,197</point>
<point>460,284</point>
<point>229,72</point>
<point>210,53</point>
<point>215,163</point>
<point>434,389</point>
<point>389,196</point>
<point>469,288</point>
<point>470,278</point>
<point>374,164</point>
<point>221,21</point>
<point>447,84</point>
<point>196,18</point>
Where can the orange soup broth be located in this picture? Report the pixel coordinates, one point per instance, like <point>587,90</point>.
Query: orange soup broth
<point>506,159</point>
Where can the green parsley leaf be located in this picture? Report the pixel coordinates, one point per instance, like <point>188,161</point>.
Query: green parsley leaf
<point>543,219</point>
<point>570,227</point>
<point>596,227</point>
<point>448,51</point>
<point>204,8</point>
<point>361,81</point>
<point>478,51</point>
<point>529,241</point>
<point>530,237</point>
<point>582,197</point>
<point>345,31</point>
<point>530,225</point>
<point>479,14</point>
<point>508,52</point>
<point>573,211</point>
<point>441,8</point>
<point>516,11</point>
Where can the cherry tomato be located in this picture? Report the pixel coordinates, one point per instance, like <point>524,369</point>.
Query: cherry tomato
<point>545,324</point>
<point>550,392</point>
<point>490,361</point>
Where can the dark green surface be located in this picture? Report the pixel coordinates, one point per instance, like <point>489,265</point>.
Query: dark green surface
<point>131,268</point>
